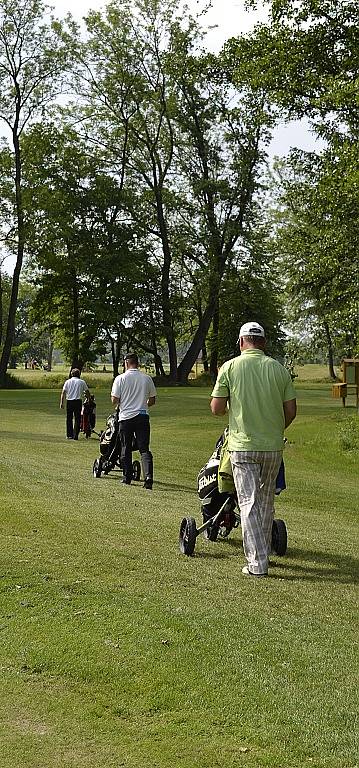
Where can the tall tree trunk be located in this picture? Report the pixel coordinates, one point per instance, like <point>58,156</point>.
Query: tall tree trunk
<point>156,357</point>
<point>214,348</point>
<point>197,342</point>
<point>160,371</point>
<point>75,321</point>
<point>1,306</point>
<point>165,282</point>
<point>50,352</point>
<point>116,347</point>
<point>10,328</point>
<point>113,355</point>
<point>205,357</point>
<point>330,351</point>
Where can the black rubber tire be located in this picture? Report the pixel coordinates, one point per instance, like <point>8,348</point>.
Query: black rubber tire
<point>279,537</point>
<point>187,536</point>
<point>97,468</point>
<point>136,470</point>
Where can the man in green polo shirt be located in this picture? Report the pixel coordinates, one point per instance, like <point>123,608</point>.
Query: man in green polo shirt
<point>261,401</point>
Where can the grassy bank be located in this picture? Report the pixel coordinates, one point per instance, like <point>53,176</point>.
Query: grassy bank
<point>54,379</point>
<point>118,651</point>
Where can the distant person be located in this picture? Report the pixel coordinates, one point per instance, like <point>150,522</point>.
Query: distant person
<point>74,389</point>
<point>134,392</point>
<point>261,403</point>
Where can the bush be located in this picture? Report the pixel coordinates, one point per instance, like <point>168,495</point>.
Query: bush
<point>349,434</point>
<point>204,380</point>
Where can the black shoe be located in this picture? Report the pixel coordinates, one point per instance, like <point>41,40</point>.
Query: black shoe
<point>148,484</point>
<point>124,481</point>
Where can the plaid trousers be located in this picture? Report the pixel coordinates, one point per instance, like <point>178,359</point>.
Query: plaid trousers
<point>254,474</point>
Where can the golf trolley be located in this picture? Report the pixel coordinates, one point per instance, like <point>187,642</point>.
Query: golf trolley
<point>110,450</point>
<point>220,512</point>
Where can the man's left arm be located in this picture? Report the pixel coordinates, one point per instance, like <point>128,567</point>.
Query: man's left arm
<point>86,390</point>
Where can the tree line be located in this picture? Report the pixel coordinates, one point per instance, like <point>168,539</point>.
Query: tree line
<point>135,194</point>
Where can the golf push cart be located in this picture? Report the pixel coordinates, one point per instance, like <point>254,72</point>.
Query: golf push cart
<point>110,450</point>
<point>220,512</point>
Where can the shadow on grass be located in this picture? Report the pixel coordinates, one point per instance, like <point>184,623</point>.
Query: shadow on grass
<point>213,555</point>
<point>174,487</point>
<point>33,437</point>
<point>318,566</point>
<point>312,565</point>
<point>116,474</point>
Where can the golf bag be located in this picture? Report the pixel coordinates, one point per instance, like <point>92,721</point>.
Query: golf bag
<point>88,416</point>
<point>109,437</point>
<point>212,497</point>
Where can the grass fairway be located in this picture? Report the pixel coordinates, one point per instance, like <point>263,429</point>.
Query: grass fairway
<point>116,650</point>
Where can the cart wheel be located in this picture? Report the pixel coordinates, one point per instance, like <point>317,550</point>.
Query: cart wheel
<point>97,468</point>
<point>187,535</point>
<point>136,470</point>
<point>279,537</point>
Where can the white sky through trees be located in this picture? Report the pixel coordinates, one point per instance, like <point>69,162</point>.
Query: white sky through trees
<point>229,19</point>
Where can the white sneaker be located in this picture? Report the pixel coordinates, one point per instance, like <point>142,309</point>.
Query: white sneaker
<point>247,572</point>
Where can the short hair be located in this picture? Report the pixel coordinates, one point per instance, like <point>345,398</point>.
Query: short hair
<point>257,341</point>
<point>75,372</point>
<point>131,357</point>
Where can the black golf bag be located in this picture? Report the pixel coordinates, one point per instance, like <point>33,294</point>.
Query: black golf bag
<point>212,499</point>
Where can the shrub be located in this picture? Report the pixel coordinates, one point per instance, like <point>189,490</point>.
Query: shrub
<point>204,380</point>
<point>349,434</point>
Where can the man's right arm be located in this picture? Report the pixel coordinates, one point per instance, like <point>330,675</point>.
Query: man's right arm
<point>290,411</point>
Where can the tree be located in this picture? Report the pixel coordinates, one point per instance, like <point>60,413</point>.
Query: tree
<point>85,262</point>
<point>318,238</point>
<point>32,59</point>
<point>161,110</point>
<point>307,62</point>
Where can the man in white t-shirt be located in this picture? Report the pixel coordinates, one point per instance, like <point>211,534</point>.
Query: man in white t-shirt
<point>134,392</point>
<point>74,389</point>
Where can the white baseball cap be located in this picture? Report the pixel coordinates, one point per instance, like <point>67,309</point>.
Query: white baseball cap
<point>251,329</point>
